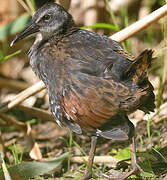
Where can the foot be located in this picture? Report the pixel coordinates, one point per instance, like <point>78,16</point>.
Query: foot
<point>124,176</point>
<point>136,169</point>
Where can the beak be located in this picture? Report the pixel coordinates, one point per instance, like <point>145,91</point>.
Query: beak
<point>30,29</point>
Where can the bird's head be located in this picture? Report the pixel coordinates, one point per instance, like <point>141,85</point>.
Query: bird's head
<point>48,20</point>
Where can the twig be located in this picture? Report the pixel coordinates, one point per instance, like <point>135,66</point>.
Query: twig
<point>22,96</point>
<point>140,25</point>
<point>120,36</point>
<point>36,112</point>
<point>2,146</point>
<point>13,84</point>
<point>97,160</point>
<point>30,7</point>
<point>4,169</point>
<point>26,128</point>
<point>65,3</point>
<point>159,119</point>
<point>25,6</point>
<point>90,15</point>
<point>12,121</point>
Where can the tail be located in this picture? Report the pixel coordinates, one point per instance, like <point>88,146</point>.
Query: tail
<point>139,68</point>
<point>138,73</point>
<point>148,104</point>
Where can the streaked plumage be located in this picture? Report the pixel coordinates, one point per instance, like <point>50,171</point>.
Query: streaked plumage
<point>91,82</point>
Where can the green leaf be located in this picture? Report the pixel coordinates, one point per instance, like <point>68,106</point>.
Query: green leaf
<point>123,154</point>
<point>27,170</point>
<point>101,25</point>
<point>112,15</point>
<point>14,26</point>
<point>147,174</point>
<point>9,56</point>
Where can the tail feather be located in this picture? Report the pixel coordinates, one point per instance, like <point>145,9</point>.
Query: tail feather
<point>138,73</point>
<point>139,68</point>
<point>149,104</point>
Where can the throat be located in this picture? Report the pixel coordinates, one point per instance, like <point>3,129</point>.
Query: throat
<point>38,39</point>
<point>58,35</point>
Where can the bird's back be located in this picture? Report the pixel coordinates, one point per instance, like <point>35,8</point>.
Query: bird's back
<point>100,60</point>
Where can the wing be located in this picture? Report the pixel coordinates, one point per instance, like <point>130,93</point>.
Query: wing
<point>91,101</point>
<point>97,55</point>
<point>94,105</point>
<point>82,74</point>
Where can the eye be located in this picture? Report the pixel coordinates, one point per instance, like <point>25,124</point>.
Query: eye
<point>46,17</point>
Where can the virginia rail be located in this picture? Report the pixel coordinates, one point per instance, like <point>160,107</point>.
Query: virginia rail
<point>91,82</point>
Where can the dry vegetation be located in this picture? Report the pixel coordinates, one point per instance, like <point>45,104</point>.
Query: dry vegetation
<point>28,131</point>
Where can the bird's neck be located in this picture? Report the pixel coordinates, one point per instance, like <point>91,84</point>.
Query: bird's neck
<point>55,36</point>
<point>66,31</point>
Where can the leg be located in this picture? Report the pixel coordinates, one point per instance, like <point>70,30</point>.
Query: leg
<point>88,170</point>
<point>135,166</point>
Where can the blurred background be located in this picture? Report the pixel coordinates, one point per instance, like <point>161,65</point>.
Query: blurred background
<point>104,17</point>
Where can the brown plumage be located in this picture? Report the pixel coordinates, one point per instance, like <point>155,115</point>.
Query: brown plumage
<point>91,82</point>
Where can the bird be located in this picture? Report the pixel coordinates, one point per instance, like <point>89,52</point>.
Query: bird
<point>92,83</point>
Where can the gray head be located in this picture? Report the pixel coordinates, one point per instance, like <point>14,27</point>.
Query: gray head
<point>48,20</point>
